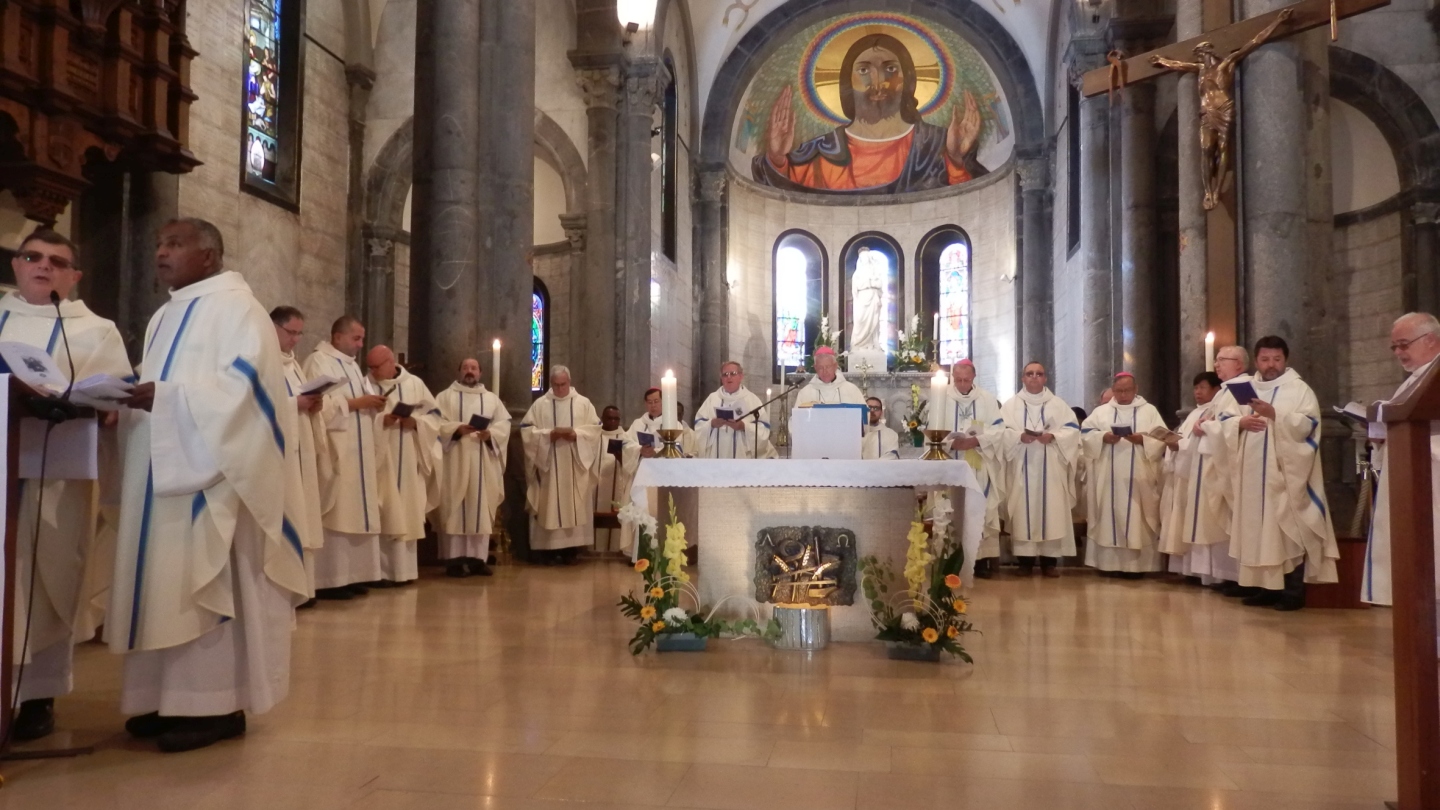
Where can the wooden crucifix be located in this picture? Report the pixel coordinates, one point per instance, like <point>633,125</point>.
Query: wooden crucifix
<point>1214,55</point>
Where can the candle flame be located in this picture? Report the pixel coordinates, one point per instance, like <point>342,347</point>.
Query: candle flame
<point>496,344</point>
<point>1210,336</point>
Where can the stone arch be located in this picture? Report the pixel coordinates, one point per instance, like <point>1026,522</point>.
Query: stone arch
<point>388,181</point>
<point>556,148</point>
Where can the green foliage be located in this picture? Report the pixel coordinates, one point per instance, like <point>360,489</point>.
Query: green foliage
<point>938,609</point>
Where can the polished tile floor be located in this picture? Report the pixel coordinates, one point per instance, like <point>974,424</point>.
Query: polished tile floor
<point>517,693</point>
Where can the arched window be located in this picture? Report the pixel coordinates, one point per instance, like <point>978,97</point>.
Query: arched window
<point>879,263</point>
<point>945,289</point>
<point>799,284</point>
<point>669,182</point>
<point>271,110</point>
<point>539,325</point>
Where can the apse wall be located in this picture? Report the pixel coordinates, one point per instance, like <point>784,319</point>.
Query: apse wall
<point>985,210</point>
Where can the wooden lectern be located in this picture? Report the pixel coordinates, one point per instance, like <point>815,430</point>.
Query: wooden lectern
<point>1412,570</point>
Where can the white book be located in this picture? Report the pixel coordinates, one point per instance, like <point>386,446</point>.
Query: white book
<point>320,385</point>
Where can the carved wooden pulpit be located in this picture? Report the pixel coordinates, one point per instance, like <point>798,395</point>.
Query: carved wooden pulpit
<point>1412,569</point>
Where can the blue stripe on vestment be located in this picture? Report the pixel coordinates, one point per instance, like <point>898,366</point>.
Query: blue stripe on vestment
<point>262,398</point>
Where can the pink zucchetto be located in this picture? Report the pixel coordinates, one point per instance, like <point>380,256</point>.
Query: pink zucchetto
<point>823,351</point>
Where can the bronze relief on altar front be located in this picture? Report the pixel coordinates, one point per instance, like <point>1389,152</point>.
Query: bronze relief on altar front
<point>805,565</point>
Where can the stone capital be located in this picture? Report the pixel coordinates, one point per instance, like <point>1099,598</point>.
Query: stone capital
<point>1425,213</point>
<point>642,84</point>
<point>1084,54</point>
<point>575,226</point>
<point>1034,173</point>
<point>600,86</point>
<point>380,247</point>
<point>362,76</point>
<point>712,185</point>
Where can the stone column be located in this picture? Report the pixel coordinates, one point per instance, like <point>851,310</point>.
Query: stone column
<point>1136,243</point>
<point>712,288</point>
<point>378,290</point>
<point>1420,271</point>
<point>1194,283</point>
<point>576,229</point>
<point>360,79</point>
<point>1096,247</point>
<point>636,166</point>
<point>593,291</point>
<point>1036,276</point>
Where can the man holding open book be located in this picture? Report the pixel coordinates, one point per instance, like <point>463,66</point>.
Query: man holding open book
<point>474,432</point>
<point>1124,443</point>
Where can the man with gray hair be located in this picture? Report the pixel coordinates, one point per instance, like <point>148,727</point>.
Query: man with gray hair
<point>725,425</point>
<point>1415,342</point>
<point>561,434</point>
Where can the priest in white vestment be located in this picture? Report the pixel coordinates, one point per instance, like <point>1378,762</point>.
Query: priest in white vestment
<point>619,459</point>
<point>207,567</point>
<point>649,423</point>
<point>828,386</point>
<point>68,544</point>
<point>1125,462</point>
<point>1195,520</point>
<point>474,430</point>
<point>409,447</point>
<point>880,441</point>
<point>561,434</point>
<point>1280,528</point>
<point>971,410</point>
<point>740,435</point>
<point>312,452</point>
<point>1415,342</point>
<point>350,495</point>
<point>1041,447</point>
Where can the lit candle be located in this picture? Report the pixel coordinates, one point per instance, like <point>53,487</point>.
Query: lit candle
<point>938,384</point>
<point>495,367</point>
<point>1209,351</point>
<point>667,401</point>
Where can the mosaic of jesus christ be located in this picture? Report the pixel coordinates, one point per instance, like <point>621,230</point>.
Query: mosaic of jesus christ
<point>887,147</point>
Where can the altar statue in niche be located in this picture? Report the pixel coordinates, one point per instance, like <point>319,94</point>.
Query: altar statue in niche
<point>867,297</point>
<point>886,147</point>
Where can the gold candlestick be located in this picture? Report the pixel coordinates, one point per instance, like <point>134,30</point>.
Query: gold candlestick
<point>937,449</point>
<point>670,443</point>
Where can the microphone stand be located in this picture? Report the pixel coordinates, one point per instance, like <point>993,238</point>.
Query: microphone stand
<point>756,413</point>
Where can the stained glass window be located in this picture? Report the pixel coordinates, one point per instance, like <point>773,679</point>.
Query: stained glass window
<point>537,341</point>
<point>791,305</point>
<point>954,303</point>
<point>262,90</point>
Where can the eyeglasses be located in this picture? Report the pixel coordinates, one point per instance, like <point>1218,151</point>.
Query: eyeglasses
<point>729,374</point>
<point>1228,360</point>
<point>1402,345</point>
<point>295,333</point>
<point>36,257</point>
<point>1034,374</point>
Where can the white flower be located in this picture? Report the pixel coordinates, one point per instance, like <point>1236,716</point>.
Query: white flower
<point>634,515</point>
<point>676,616</point>
<point>909,621</point>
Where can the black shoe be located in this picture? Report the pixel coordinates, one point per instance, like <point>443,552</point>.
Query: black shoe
<point>307,604</point>
<point>356,589</point>
<point>490,560</point>
<point>379,583</point>
<point>336,594</point>
<point>457,570</point>
<point>191,733</point>
<point>36,719</point>
<point>1290,604</point>
<point>1263,599</point>
<point>145,726</point>
<point>480,568</point>
<point>1132,575</point>
<point>1237,591</point>
<point>984,570</point>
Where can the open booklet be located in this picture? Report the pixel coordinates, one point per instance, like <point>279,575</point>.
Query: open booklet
<point>37,369</point>
<point>320,386</point>
<point>1359,416</point>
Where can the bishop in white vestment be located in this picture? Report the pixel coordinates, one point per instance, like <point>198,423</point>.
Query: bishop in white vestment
<point>474,430</point>
<point>312,452</point>
<point>880,441</point>
<point>1124,470</point>
<point>828,386</point>
<point>410,464</point>
<point>619,459</point>
<point>740,436</point>
<point>1280,529</point>
<point>207,567</point>
<point>1041,447</point>
<point>561,434</point>
<point>67,545</point>
<point>350,496</point>
<point>971,410</point>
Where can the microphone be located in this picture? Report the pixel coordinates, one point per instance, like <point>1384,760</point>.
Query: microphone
<point>56,409</point>
<point>70,358</point>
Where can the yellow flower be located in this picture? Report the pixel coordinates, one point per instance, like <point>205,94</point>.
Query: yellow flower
<point>960,605</point>
<point>952,581</point>
<point>930,634</point>
<point>657,592</point>
<point>952,631</point>
<point>647,613</point>
<point>657,627</point>
<point>642,565</point>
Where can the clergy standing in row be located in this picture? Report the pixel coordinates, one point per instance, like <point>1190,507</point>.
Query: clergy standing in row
<point>880,441</point>
<point>561,434</point>
<point>207,568</point>
<point>828,386</point>
<point>409,448</point>
<point>649,423</point>
<point>1280,530</point>
<point>1125,466</point>
<point>46,265</point>
<point>1195,529</point>
<point>1041,447</point>
<point>1415,342</point>
<point>312,452</point>
<point>619,458</point>
<point>740,435</point>
<point>350,556</point>
<point>971,410</point>
<point>474,429</point>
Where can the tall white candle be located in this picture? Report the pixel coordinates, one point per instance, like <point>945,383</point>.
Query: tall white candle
<point>935,334</point>
<point>938,384</point>
<point>667,401</point>
<point>495,367</point>
<point>1209,351</point>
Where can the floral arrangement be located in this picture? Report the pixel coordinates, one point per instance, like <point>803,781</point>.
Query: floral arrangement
<point>660,607</point>
<point>910,352</point>
<point>823,337</point>
<point>915,417</point>
<point>929,611</point>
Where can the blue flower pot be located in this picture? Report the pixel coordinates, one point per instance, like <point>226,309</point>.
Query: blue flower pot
<point>896,651</point>
<point>679,642</point>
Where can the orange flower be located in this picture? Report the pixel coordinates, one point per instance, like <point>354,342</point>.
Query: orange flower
<point>657,627</point>
<point>642,565</point>
<point>930,634</point>
<point>657,592</point>
<point>952,581</point>
<point>647,613</point>
<point>952,631</point>
<point>960,605</point>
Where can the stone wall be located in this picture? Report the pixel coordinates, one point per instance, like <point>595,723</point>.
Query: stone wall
<point>672,316</point>
<point>1366,269</point>
<point>985,211</point>
<point>1401,37</point>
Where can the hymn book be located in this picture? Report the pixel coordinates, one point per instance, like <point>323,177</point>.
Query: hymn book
<point>402,410</point>
<point>1122,430</point>
<point>645,439</point>
<point>1243,392</point>
<point>320,386</point>
<point>614,447</point>
<point>1162,433</point>
<point>724,415</point>
<point>479,422</point>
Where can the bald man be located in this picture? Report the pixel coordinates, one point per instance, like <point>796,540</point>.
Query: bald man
<point>408,446</point>
<point>1415,342</point>
<point>1124,463</point>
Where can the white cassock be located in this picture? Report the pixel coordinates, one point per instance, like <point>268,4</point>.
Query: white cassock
<point>76,559</point>
<point>351,494</point>
<point>1124,524</point>
<point>473,484</point>
<point>312,456</point>
<point>208,567</point>
<point>978,415</point>
<point>646,423</point>
<point>880,442</point>
<point>410,470</point>
<point>613,485</point>
<point>1280,518</point>
<point>1376,587</point>
<point>836,392</point>
<point>560,476</point>
<point>1039,482</point>
<point>724,442</point>
<point>1195,523</point>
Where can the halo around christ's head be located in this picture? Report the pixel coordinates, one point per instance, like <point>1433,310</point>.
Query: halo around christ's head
<point>820,67</point>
